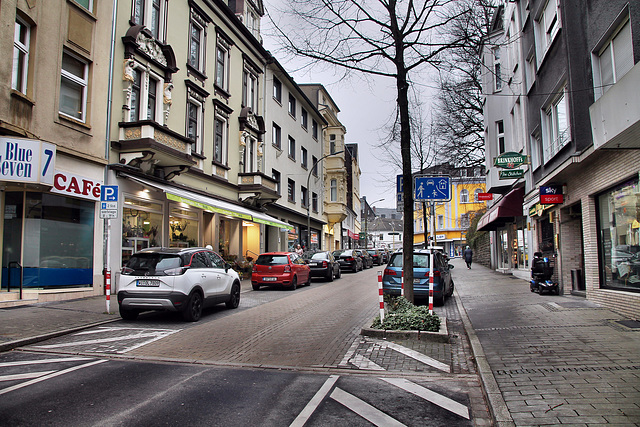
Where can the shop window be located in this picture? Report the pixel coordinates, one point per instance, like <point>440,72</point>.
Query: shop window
<point>183,228</point>
<point>141,226</point>
<point>619,236</point>
<point>57,244</point>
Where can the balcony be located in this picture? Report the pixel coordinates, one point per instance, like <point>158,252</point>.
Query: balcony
<point>257,189</point>
<point>615,116</point>
<point>335,212</point>
<point>154,149</point>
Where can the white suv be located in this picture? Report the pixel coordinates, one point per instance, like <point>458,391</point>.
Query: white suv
<point>185,280</point>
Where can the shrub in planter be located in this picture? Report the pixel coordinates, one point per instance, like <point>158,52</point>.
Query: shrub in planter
<point>402,315</point>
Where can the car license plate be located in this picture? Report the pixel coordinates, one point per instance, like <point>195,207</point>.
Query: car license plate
<point>148,283</point>
<point>416,280</point>
<point>313,264</point>
<point>269,279</point>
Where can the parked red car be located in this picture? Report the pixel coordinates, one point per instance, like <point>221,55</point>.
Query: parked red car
<point>280,268</point>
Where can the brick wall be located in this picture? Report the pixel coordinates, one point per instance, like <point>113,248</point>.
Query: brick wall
<point>570,248</point>
<point>482,250</point>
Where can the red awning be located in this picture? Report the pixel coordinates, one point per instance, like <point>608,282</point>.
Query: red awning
<point>504,211</point>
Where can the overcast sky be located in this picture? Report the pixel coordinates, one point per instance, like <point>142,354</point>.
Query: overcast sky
<point>366,106</point>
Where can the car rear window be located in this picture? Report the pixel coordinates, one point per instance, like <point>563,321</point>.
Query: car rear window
<point>419,260</point>
<point>319,255</point>
<point>338,253</point>
<point>153,264</point>
<point>272,260</point>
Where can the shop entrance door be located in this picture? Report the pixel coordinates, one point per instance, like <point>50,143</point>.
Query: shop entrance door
<point>12,240</point>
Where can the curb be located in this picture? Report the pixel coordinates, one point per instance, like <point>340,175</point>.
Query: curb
<point>497,406</point>
<point>441,336</point>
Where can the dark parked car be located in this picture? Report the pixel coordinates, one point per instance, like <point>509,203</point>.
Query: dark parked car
<point>174,279</point>
<point>287,269</point>
<point>385,255</point>
<point>367,260</point>
<point>348,259</point>
<point>376,254</point>
<point>322,264</point>
<point>442,281</point>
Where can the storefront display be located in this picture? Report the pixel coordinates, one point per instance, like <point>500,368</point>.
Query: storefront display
<point>141,226</point>
<point>619,236</point>
<point>183,228</point>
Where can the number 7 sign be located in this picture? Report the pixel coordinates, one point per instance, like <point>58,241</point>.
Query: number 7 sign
<point>47,163</point>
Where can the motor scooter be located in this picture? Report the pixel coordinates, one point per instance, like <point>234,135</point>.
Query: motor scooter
<point>541,275</point>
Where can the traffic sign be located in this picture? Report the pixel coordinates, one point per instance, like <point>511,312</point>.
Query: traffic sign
<point>432,188</point>
<point>108,201</point>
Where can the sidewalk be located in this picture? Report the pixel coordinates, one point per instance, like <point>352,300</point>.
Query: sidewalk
<point>26,324</point>
<point>547,360</point>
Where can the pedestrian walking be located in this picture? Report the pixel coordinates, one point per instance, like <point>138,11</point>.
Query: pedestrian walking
<point>468,256</point>
<point>299,250</point>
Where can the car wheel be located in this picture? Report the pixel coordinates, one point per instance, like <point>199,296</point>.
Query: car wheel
<point>128,314</point>
<point>234,297</point>
<point>294,284</point>
<point>339,275</point>
<point>193,311</point>
<point>439,301</point>
<point>451,289</point>
<point>255,287</point>
<point>330,275</point>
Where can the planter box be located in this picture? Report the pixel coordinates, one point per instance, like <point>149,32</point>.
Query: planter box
<point>441,336</point>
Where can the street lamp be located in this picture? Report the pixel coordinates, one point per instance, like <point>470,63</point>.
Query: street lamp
<point>308,191</point>
<point>366,220</point>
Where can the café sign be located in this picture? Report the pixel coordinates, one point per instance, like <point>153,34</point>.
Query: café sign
<point>510,160</point>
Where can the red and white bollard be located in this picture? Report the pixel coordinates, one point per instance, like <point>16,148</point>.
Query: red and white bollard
<point>431,291</point>
<point>107,286</point>
<point>402,283</point>
<point>380,296</point>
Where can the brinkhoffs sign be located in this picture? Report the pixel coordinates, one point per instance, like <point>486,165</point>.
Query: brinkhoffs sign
<point>510,160</point>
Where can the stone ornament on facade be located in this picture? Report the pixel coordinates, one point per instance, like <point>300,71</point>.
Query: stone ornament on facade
<point>150,47</point>
<point>128,79</point>
<point>166,99</point>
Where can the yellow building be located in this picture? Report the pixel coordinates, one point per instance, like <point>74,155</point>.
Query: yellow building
<point>451,218</point>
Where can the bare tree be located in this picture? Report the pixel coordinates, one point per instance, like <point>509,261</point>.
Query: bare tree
<point>459,118</point>
<point>391,38</point>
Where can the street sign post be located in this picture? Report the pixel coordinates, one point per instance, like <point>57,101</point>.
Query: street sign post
<point>108,201</point>
<point>399,194</point>
<point>432,188</point>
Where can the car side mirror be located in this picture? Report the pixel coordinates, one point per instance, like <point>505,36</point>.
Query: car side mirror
<point>451,266</point>
<point>227,266</point>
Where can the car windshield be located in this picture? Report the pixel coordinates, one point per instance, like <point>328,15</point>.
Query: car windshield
<point>338,253</point>
<point>153,264</point>
<point>372,252</point>
<point>272,260</point>
<point>318,255</point>
<point>419,261</point>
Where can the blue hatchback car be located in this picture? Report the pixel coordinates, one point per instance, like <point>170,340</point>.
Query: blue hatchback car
<point>442,280</point>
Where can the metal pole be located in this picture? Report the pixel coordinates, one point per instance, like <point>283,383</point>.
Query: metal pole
<point>309,190</point>
<point>431,260</point>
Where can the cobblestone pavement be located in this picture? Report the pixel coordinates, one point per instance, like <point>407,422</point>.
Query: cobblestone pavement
<point>555,359</point>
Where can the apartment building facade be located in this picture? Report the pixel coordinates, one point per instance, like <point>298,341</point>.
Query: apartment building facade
<point>580,190</point>
<point>53,121</point>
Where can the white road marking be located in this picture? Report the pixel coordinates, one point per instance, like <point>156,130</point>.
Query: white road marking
<point>418,356</point>
<point>431,396</point>
<point>363,409</point>
<point>98,341</point>
<point>46,377</point>
<point>42,361</point>
<point>308,410</point>
<point>102,329</point>
<point>25,376</point>
<point>362,362</point>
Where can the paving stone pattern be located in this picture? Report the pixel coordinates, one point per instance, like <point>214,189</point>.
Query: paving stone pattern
<point>556,359</point>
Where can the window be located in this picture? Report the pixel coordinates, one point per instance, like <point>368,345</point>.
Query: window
<point>304,118</point>
<point>530,70</point>
<point>144,95</point>
<point>73,87</point>
<point>314,164</point>
<point>194,120</point>
<point>314,129</point>
<point>303,157</point>
<point>21,40</point>
<point>250,90</point>
<point>87,4</point>
<point>250,159</point>
<point>292,148</point>
<point>277,136</point>
<point>150,13</point>
<point>536,151</point>
<point>277,178</point>
<point>440,222</point>
<point>292,106</point>
<point>304,197</point>
<point>221,67</point>
<point>546,28</point>
<point>614,59</point>
<point>500,137</point>
<point>334,190</point>
<point>291,190</point>
<point>555,125</point>
<point>277,90</point>
<point>497,70</point>
<point>196,45</point>
<point>314,202</point>
<point>219,142</point>
<point>464,196</point>
<point>464,221</point>
<point>332,144</point>
<point>476,194</point>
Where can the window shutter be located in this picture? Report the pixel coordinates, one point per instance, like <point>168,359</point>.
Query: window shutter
<point>623,51</point>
